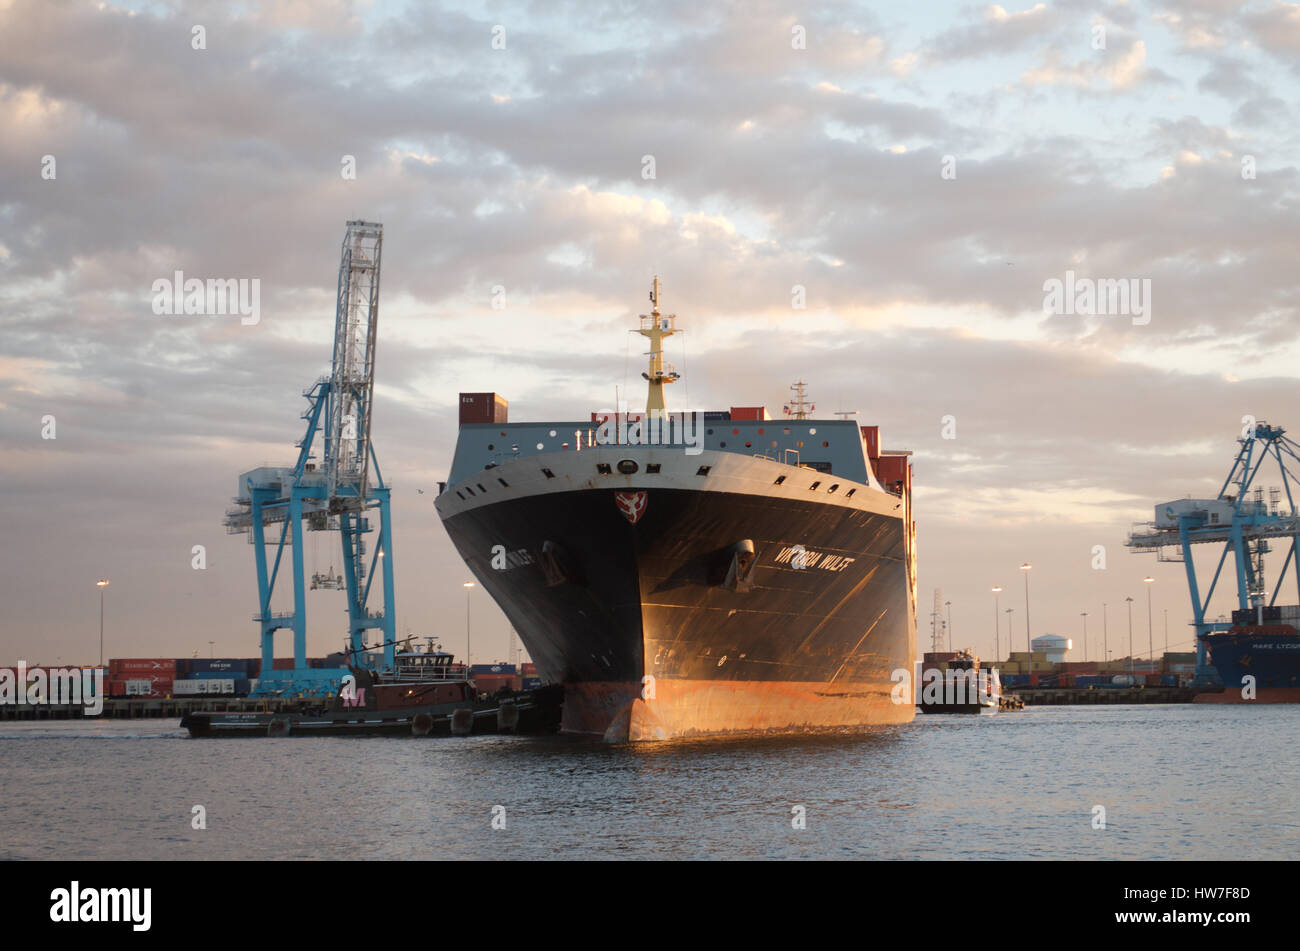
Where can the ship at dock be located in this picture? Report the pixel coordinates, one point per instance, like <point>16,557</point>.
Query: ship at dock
<point>1254,657</point>
<point>694,573</point>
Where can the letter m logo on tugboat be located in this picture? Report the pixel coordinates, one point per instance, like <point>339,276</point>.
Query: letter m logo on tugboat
<point>631,504</point>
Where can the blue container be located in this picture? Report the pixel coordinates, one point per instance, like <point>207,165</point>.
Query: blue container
<point>506,669</point>
<point>1169,680</point>
<point>532,683</point>
<point>715,416</point>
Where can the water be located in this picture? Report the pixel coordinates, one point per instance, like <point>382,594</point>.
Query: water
<point>1177,782</point>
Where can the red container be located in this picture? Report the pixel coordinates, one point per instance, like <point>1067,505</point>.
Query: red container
<point>892,471</point>
<point>483,408</point>
<point>530,670</point>
<point>1066,680</point>
<point>282,663</point>
<point>871,435</point>
<point>152,666</point>
<point>117,688</point>
<point>749,413</point>
<point>1033,680</point>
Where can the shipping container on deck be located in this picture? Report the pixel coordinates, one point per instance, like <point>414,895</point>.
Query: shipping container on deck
<point>483,408</point>
<point>871,436</point>
<point>749,413</point>
<point>506,669</point>
<point>529,670</point>
<point>716,416</point>
<point>531,683</point>
<point>891,472</point>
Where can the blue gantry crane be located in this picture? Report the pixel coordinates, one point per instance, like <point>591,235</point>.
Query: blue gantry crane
<point>342,493</point>
<point>1243,521</point>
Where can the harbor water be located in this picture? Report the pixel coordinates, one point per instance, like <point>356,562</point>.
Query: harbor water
<point>1175,781</point>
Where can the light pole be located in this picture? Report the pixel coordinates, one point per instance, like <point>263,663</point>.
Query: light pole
<point>1130,635</point>
<point>948,605</point>
<point>997,627</point>
<point>1151,647</point>
<point>211,650</point>
<point>1084,615</point>
<point>1009,612</point>
<point>102,583</point>
<point>467,586</point>
<point>1028,644</point>
<point>1105,635</point>
<point>1166,610</point>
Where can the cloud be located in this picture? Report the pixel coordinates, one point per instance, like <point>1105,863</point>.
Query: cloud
<point>522,168</point>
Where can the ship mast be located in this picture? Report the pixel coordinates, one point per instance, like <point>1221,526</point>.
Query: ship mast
<point>799,407</point>
<point>656,326</point>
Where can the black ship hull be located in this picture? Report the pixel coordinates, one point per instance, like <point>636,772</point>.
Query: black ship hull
<point>1258,664</point>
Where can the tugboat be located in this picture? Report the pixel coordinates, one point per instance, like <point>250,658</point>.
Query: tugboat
<point>427,694</point>
<point>964,687</point>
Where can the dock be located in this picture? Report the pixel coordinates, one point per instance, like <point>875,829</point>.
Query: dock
<point>140,708</point>
<point>1080,696</point>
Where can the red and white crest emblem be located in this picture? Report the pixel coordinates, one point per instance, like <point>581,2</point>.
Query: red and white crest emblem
<point>631,504</point>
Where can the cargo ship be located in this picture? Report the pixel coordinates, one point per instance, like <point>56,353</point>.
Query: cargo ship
<point>1264,644</point>
<point>694,573</point>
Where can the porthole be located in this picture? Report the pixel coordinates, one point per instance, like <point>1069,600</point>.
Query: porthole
<point>628,466</point>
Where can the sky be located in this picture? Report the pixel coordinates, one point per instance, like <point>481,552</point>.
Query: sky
<point>919,171</point>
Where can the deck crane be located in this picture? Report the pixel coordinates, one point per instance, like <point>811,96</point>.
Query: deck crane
<point>1242,521</point>
<point>341,494</point>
